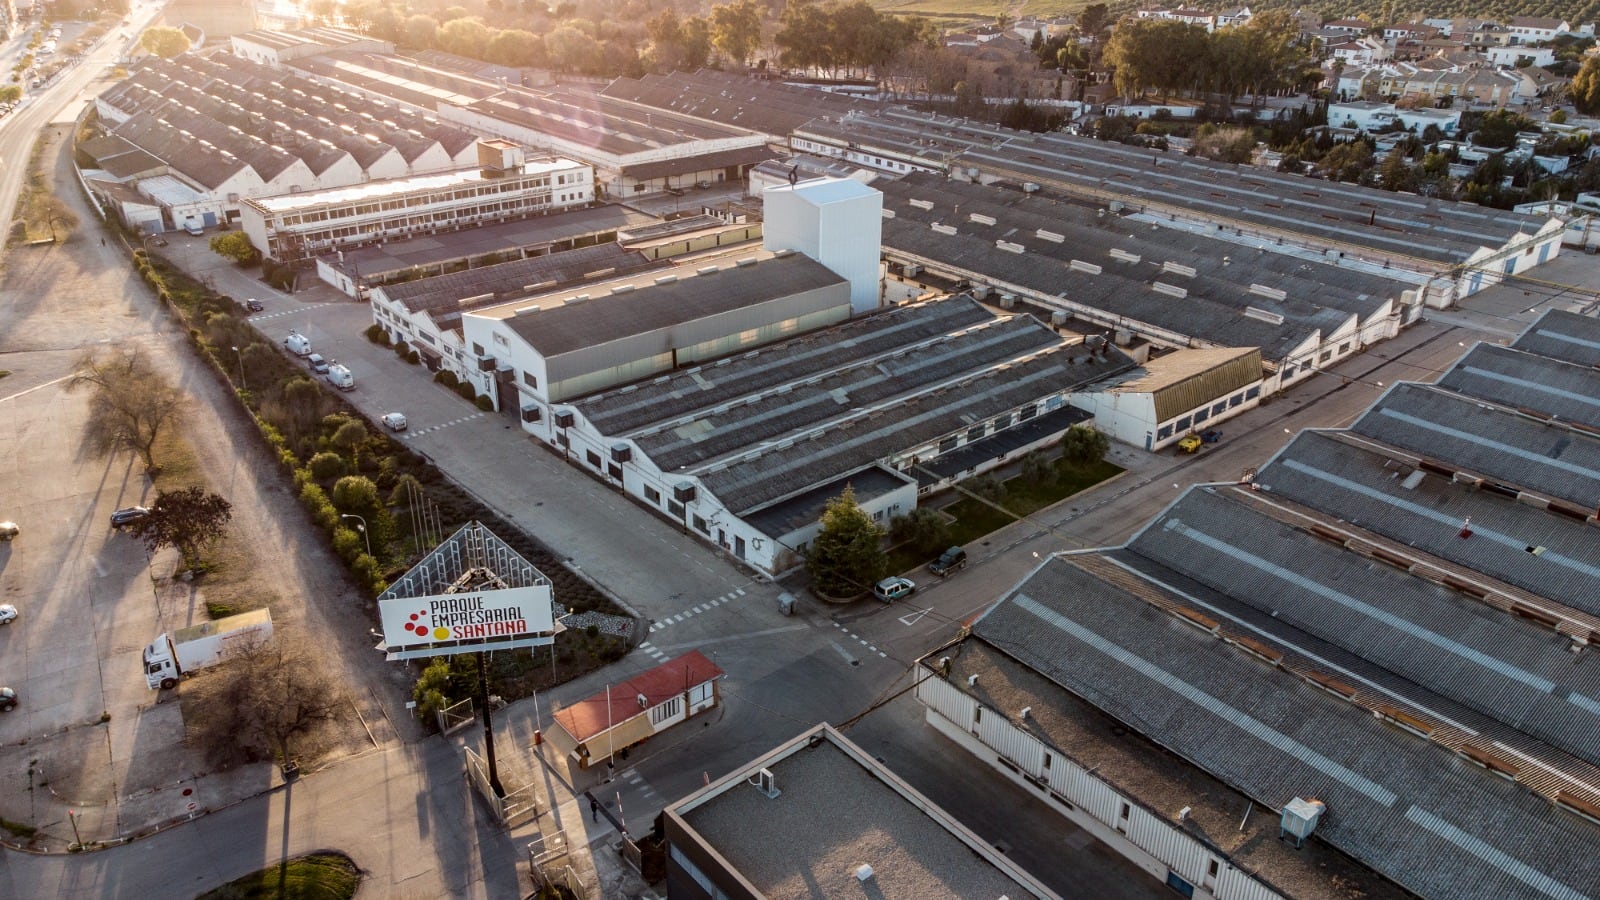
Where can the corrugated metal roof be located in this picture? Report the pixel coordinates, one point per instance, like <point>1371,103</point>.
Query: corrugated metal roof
<point>1563,335</point>
<point>1527,381</point>
<point>1404,807</point>
<point>1184,379</point>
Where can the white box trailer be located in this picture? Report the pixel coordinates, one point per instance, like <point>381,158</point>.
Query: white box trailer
<point>172,656</point>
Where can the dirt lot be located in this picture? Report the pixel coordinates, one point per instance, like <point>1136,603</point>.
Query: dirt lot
<point>87,722</point>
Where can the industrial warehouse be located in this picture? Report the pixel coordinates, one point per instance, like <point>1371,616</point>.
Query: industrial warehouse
<point>1379,623</point>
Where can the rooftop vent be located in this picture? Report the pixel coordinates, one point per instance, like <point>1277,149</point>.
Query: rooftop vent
<point>1272,293</point>
<point>1300,819</point>
<point>746,263</point>
<point>944,229</point>
<point>1079,265</point>
<point>1010,247</point>
<point>1050,236</point>
<point>921,204</point>
<point>1171,290</point>
<point>980,219</point>
<point>767,783</point>
<point>863,872</point>
<point>887,213</point>
<point>1262,315</point>
<point>622,289</point>
<point>574,301</point>
<point>1178,269</point>
<point>706,270</point>
<point>1124,256</point>
<point>666,279</point>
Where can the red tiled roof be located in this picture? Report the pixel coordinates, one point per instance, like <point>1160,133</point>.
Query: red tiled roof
<point>589,717</point>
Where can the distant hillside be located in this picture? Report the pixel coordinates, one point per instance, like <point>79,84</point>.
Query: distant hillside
<point>959,11</point>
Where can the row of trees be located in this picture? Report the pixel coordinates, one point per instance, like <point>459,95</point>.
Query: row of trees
<point>1172,57</point>
<point>848,37</point>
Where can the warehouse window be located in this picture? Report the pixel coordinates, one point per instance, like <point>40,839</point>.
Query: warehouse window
<point>1253,393</point>
<point>700,525</point>
<point>974,433</point>
<point>1220,408</point>
<point>1201,416</point>
<point>948,444</point>
<point>530,380</point>
<point>1183,423</point>
<point>1236,399</point>
<point>653,495</point>
<point>1164,433</point>
<point>592,457</point>
<point>1026,413</point>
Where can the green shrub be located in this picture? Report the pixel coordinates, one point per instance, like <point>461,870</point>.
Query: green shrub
<point>367,570</point>
<point>377,334</point>
<point>446,378</point>
<point>348,544</point>
<point>466,390</point>
<point>357,494</point>
<point>401,348</point>
<point>484,403</point>
<point>327,465</point>
<point>413,357</point>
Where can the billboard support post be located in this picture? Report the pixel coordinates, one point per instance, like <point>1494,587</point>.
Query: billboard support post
<point>488,726</point>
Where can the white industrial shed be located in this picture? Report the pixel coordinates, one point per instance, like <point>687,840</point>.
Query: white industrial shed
<point>746,451</point>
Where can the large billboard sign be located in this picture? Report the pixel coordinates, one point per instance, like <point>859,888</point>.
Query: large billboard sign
<point>446,624</point>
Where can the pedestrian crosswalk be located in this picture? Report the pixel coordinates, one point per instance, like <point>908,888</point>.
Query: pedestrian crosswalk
<point>695,610</point>
<point>411,435</point>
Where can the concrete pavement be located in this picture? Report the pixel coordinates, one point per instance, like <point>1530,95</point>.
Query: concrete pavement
<point>404,814</point>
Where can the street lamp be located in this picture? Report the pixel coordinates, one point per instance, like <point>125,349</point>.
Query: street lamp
<point>362,527</point>
<point>242,385</point>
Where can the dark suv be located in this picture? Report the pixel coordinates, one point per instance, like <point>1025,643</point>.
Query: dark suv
<point>949,561</point>
<point>128,515</point>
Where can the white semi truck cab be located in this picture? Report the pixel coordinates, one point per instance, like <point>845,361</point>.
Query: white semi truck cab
<point>172,656</point>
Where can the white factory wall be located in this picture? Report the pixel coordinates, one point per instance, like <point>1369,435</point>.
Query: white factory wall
<point>837,222</point>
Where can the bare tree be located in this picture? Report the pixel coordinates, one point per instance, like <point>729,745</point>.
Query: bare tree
<point>130,405</point>
<point>270,695</point>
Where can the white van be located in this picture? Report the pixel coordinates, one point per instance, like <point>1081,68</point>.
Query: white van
<point>194,227</point>
<point>298,344</point>
<point>340,377</point>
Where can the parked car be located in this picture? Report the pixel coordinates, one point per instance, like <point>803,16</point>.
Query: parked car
<point>317,363</point>
<point>253,305</point>
<point>9,530</point>
<point>8,699</point>
<point>891,589</point>
<point>394,421</point>
<point>128,515</point>
<point>949,561</point>
<point>8,613</point>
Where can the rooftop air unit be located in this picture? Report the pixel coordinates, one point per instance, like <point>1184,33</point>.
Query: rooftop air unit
<point>621,453</point>
<point>767,783</point>
<point>683,492</point>
<point>564,418</point>
<point>1300,819</point>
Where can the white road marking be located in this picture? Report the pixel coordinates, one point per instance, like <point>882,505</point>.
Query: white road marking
<point>842,652</point>
<point>914,617</point>
<point>36,388</point>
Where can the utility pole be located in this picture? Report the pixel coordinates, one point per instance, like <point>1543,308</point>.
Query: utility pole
<point>488,726</point>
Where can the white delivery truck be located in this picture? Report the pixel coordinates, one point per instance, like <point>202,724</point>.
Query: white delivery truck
<point>172,656</point>
<point>298,344</point>
<point>339,376</point>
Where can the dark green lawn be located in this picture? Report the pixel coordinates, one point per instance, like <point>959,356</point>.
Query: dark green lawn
<point>975,519</point>
<point>323,876</point>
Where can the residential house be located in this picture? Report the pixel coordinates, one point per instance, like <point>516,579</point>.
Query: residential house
<point>1536,29</point>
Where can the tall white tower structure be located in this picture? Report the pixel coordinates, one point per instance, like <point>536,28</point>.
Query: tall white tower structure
<point>837,222</point>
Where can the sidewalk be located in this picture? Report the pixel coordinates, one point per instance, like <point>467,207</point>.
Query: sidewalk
<point>406,815</point>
